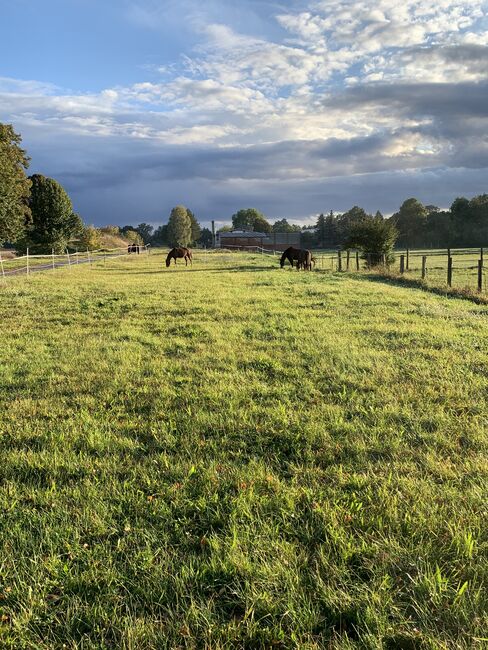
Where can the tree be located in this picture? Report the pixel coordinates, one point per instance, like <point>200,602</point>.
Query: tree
<point>345,220</point>
<point>179,227</point>
<point>145,230</point>
<point>53,219</point>
<point>411,221</point>
<point>15,214</point>
<point>114,231</point>
<point>206,238</point>
<point>133,237</point>
<point>282,225</point>
<point>91,238</point>
<point>196,231</point>
<point>374,237</point>
<point>160,236</point>
<point>250,219</point>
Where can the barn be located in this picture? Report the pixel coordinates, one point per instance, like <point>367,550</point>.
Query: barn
<point>243,239</point>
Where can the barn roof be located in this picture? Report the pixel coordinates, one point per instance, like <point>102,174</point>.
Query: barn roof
<point>242,233</point>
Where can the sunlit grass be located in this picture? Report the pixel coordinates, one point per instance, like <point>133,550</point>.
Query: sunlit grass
<point>235,455</point>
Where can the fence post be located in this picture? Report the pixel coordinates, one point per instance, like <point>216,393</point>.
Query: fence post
<point>69,259</point>
<point>52,258</point>
<point>424,266</point>
<point>449,270</point>
<point>348,255</point>
<point>402,263</point>
<point>339,260</point>
<point>89,258</point>
<point>408,259</point>
<point>481,256</point>
<point>1,265</point>
<point>28,269</point>
<point>480,274</point>
<point>357,260</point>
<point>369,261</point>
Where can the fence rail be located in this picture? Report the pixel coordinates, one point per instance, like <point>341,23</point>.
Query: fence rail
<point>27,264</point>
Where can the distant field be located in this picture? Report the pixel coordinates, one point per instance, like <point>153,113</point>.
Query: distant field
<point>238,456</point>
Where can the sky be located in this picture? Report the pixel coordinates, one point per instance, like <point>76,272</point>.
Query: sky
<point>294,107</point>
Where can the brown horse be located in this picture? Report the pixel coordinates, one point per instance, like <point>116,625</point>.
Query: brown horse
<point>302,256</point>
<point>304,260</point>
<point>289,254</point>
<point>179,252</point>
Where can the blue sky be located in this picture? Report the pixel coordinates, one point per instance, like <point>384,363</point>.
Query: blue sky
<point>294,107</point>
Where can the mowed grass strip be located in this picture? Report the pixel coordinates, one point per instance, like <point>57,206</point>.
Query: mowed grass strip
<point>238,456</point>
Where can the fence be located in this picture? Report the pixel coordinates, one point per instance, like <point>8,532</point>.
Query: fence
<point>454,267</point>
<point>27,264</point>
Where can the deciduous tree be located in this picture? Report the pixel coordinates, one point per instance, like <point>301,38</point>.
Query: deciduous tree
<point>179,227</point>
<point>15,214</point>
<point>250,219</point>
<point>53,219</point>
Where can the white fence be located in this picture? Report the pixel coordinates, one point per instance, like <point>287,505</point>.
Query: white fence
<point>26,264</point>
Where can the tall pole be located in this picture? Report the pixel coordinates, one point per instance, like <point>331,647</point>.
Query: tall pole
<point>213,234</point>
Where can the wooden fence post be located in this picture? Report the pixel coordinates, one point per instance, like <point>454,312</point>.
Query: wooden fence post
<point>408,259</point>
<point>339,260</point>
<point>1,265</point>
<point>52,258</point>
<point>348,255</point>
<point>449,271</point>
<point>480,274</point>
<point>89,257</point>
<point>69,259</point>
<point>357,260</point>
<point>481,256</point>
<point>424,266</point>
<point>28,270</point>
<point>369,260</point>
<point>402,263</point>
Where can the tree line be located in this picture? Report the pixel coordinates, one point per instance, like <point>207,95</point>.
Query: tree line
<point>37,213</point>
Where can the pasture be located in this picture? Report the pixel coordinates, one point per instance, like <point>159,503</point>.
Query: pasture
<point>238,456</point>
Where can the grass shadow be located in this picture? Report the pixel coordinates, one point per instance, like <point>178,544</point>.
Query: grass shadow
<point>412,283</point>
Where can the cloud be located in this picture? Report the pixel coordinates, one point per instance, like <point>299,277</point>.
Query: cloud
<point>343,93</point>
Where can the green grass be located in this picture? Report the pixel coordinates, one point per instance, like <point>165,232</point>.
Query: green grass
<point>238,456</point>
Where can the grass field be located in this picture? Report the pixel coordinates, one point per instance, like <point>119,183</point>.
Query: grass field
<point>239,456</point>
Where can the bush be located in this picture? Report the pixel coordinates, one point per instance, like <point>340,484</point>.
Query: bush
<point>374,236</point>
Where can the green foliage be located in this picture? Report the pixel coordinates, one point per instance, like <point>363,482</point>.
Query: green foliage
<point>179,227</point>
<point>196,231</point>
<point>114,231</point>
<point>241,457</point>
<point>91,238</point>
<point>53,220</point>
<point>410,222</point>
<point>160,236</point>
<point>145,230</point>
<point>206,238</point>
<point>14,186</point>
<point>250,219</point>
<point>282,225</point>
<point>374,236</point>
<point>132,236</point>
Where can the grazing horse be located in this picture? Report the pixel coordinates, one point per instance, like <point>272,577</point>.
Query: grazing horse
<point>303,257</point>
<point>289,254</point>
<point>304,260</point>
<point>179,252</point>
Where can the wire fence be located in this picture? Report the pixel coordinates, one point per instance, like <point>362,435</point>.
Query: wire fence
<point>27,264</point>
